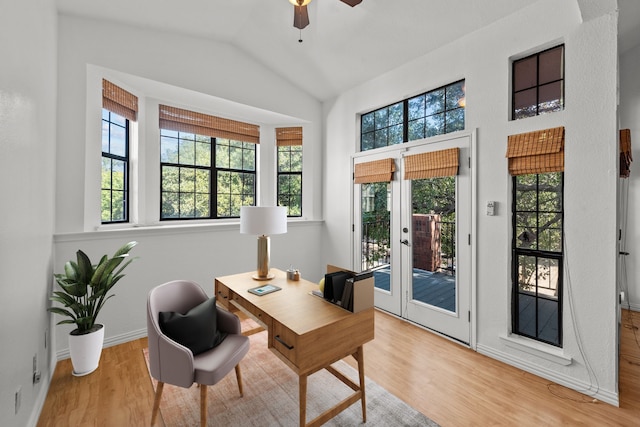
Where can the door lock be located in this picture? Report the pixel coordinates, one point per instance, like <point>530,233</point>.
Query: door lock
<point>404,242</point>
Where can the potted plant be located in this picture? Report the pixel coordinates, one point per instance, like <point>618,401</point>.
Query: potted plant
<point>84,289</point>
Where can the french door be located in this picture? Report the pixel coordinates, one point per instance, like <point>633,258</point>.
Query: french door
<point>414,233</point>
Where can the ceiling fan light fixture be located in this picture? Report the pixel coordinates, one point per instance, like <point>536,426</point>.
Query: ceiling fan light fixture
<point>299,2</point>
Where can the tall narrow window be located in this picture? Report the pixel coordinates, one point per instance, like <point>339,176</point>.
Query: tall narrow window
<point>115,168</point>
<point>118,108</point>
<point>289,143</point>
<point>538,83</point>
<point>208,165</point>
<point>536,161</point>
<point>432,113</point>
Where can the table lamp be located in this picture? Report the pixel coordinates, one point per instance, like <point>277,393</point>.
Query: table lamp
<point>263,221</point>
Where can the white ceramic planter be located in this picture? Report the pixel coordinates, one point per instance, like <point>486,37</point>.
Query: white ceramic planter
<point>85,351</point>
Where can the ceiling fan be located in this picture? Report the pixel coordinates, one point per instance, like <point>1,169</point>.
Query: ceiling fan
<point>301,16</point>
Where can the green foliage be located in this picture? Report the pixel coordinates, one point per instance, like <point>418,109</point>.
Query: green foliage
<point>85,287</point>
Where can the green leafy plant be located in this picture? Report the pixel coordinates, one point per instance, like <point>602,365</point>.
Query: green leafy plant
<point>84,288</point>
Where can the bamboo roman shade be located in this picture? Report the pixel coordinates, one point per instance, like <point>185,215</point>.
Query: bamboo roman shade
<point>289,136</point>
<point>536,152</point>
<point>374,171</point>
<point>431,165</point>
<point>119,101</point>
<point>625,153</point>
<point>173,118</point>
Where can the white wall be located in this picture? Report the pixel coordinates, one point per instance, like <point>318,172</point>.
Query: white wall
<point>27,140</point>
<point>163,67</point>
<point>589,118</point>
<point>630,191</point>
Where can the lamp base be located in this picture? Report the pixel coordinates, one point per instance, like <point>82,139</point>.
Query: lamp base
<point>267,277</point>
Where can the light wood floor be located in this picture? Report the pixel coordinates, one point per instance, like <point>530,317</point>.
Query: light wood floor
<point>451,384</point>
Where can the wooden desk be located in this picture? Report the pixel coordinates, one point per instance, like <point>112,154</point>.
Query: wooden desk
<point>305,331</point>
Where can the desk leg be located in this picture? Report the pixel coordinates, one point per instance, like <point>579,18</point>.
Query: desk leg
<point>303,400</point>
<point>360,358</point>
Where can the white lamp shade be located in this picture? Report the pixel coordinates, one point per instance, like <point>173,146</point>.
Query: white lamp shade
<point>263,220</point>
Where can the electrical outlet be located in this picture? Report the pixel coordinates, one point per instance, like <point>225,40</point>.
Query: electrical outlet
<point>36,373</point>
<point>18,399</point>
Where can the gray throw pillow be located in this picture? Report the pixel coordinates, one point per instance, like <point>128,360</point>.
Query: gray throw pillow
<point>196,329</point>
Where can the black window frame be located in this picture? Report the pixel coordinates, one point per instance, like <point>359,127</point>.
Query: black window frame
<point>556,256</point>
<point>125,160</point>
<point>396,125</point>
<point>537,85</point>
<point>214,172</point>
<point>281,193</point>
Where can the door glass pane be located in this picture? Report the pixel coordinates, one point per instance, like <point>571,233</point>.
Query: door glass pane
<point>376,231</point>
<point>434,241</point>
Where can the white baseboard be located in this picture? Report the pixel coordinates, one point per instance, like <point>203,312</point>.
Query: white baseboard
<point>110,341</point>
<point>630,306</point>
<point>579,386</point>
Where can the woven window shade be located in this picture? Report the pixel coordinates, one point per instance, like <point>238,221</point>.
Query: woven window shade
<point>431,165</point>
<point>625,153</point>
<point>119,101</point>
<point>288,136</point>
<point>375,171</point>
<point>536,152</point>
<point>173,118</point>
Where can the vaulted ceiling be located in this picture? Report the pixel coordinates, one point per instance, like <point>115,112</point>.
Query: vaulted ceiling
<point>341,47</point>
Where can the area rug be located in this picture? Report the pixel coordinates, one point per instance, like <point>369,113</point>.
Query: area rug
<point>271,397</point>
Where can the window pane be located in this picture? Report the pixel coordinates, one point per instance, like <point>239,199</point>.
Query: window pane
<point>367,141</point>
<point>187,180</point>
<point>396,114</point>
<point>455,96</point>
<point>395,134</point>
<point>170,178</point>
<point>296,159</point>
<point>202,206</point>
<point>416,107</point>
<point>187,152</point>
<point>367,122</point>
<point>203,154</point>
<point>434,125</point>
<point>416,129</point>
<point>202,181</point>
<point>382,138</point>
<point>105,137</point>
<point>454,120</point>
<point>118,140</point>
<point>550,98</point>
<point>381,118</point>
<point>235,158</point>
<point>222,155</point>
<point>118,206</point>
<point>525,73</point>
<point>168,150</point>
<point>118,119</point>
<point>249,158</point>
<point>106,173</point>
<point>551,65</point>
<point>434,102</point>
<point>187,205</point>
<point>117,177</point>
<point>170,205</point>
<point>524,104</point>
<point>106,205</point>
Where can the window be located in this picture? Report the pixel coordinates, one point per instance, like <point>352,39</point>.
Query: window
<point>119,107</point>
<point>538,83</point>
<point>537,256</point>
<point>115,168</point>
<point>208,165</point>
<point>432,113</point>
<point>289,144</point>
<point>536,162</point>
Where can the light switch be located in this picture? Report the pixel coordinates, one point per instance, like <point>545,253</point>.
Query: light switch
<point>491,208</point>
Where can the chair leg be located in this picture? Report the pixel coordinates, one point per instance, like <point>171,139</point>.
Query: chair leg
<point>239,378</point>
<point>203,405</point>
<point>156,402</point>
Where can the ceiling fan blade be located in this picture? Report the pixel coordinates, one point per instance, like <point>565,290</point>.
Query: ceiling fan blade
<point>352,2</point>
<point>300,17</point>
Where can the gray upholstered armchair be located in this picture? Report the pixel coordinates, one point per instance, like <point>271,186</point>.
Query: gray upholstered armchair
<point>173,363</point>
